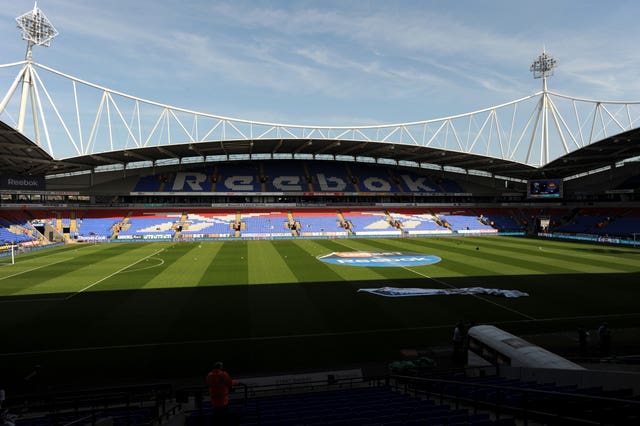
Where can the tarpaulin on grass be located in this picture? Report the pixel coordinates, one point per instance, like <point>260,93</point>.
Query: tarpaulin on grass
<point>405,292</point>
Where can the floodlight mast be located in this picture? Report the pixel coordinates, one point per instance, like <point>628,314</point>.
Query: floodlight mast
<point>542,67</point>
<point>37,30</point>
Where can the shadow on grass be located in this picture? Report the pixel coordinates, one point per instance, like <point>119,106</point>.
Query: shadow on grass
<point>158,334</point>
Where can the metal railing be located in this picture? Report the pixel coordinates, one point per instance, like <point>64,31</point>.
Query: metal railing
<point>554,405</point>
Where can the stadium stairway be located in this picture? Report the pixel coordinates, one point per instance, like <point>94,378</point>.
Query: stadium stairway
<point>293,224</point>
<point>346,224</point>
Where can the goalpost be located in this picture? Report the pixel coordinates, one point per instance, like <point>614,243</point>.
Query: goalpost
<point>8,255</point>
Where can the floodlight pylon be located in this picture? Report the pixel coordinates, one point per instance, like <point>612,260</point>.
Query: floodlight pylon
<point>37,30</point>
<point>542,67</point>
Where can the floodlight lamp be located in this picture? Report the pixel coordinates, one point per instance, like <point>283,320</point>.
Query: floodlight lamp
<point>36,28</point>
<point>543,66</point>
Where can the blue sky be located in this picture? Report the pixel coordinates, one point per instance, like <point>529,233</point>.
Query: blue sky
<point>337,62</point>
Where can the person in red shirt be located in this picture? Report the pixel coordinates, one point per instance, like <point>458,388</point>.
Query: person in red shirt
<point>219,384</point>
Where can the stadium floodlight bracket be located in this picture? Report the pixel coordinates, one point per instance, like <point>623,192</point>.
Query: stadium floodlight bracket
<point>543,66</point>
<point>37,30</point>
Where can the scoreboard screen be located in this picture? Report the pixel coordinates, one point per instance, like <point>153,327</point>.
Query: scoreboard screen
<point>545,188</point>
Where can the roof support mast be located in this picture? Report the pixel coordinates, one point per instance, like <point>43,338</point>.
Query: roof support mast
<point>542,67</point>
<point>37,30</point>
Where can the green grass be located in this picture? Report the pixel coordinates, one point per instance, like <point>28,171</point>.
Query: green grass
<point>133,311</point>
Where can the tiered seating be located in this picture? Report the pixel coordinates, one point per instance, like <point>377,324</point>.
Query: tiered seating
<point>148,184</point>
<point>207,225</point>
<point>96,227</point>
<point>631,183</point>
<point>370,223</point>
<point>419,223</point>
<point>7,236</point>
<point>335,175</point>
<point>582,224</point>
<point>503,223</point>
<point>157,226</point>
<point>278,176</point>
<point>510,394</point>
<point>325,223</point>
<point>262,225</point>
<point>361,406</point>
<point>467,224</point>
<point>372,179</point>
<point>620,227</point>
<point>285,176</point>
<point>238,178</point>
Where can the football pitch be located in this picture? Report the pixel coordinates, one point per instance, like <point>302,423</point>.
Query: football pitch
<point>148,311</point>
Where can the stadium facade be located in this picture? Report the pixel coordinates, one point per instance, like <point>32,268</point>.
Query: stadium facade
<point>537,163</point>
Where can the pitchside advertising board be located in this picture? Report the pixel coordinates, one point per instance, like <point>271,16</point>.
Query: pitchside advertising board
<point>22,183</point>
<point>379,259</point>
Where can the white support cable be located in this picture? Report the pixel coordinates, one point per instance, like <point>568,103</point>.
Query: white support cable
<point>558,127</point>
<point>45,128</point>
<point>522,134</point>
<point>293,136</point>
<point>78,122</point>
<point>96,123</point>
<point>565,126</point>
<point>499,138</point>
<point>390,134</point>
<point>435,134</point>
<point>578,122</point>
<point>124,122</point>
<point>130,124</point>
<point>12,89</point>
<point>167,120</point>
<point>535,129</point>
<point>492,128</point>
<point>544,132</point>
<point>213,129</point>
<point>35,108</point>
<point>55,109</point>
<point>181,125</point>
<point>490,138</point>
<point>613,118</point>
<point>13,64</point>
<point>266,132</point>
<point>598,115</point>
<point>194,127</point>
<point>412,138</point>
<point>468,141</point>
<point>136,109</point>
<point>512,127</point>
<point>479,135</point>
<point>153,129</point>
<point>340,135</point>
<point>109,122</point>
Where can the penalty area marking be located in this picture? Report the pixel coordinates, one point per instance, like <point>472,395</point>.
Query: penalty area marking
<point>112,274</point>
<point>33,269</point>
<point>147,267</point>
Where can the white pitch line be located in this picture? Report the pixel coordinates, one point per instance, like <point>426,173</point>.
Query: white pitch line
<point>112,274</point>
<point>452,286</point>
<point>474,295</point>
<point>293,336</point>
<point>32,269</point>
